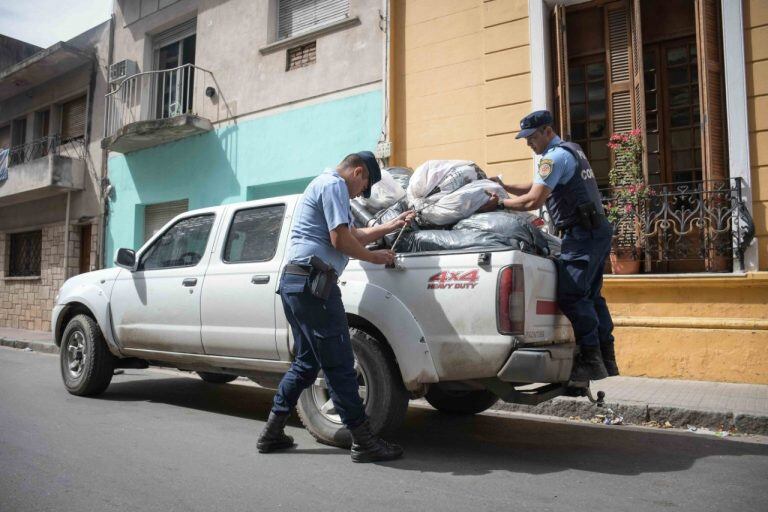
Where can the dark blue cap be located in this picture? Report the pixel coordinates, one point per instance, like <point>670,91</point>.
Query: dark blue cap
<point>374,172</point>
<point>532,121</point>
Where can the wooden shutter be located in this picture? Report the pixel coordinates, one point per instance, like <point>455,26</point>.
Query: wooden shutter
<point>619,71</point>
<point>158,215</point>
<point>710,90</point>
<point>296,16</point>
<point>561,75</point>
<point>73,119</point>
<point>638,82</point>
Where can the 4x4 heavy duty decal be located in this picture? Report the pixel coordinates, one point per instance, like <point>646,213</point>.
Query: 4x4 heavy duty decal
<point>461,280</point>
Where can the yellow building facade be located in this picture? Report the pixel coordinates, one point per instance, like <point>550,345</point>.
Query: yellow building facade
<point>464,72</point>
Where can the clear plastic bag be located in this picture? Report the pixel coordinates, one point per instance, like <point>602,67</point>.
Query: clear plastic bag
<point>441,176</point>
<point>444,209</point>
<point>384,194</point>
<point>402,175</point>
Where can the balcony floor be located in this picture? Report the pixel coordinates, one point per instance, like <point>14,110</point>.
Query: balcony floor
<point>42,177</point>
<point>147,134</point>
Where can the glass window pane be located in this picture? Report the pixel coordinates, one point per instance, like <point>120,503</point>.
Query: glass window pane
<point>600,168</point>
<point>183,245</point>
<point>681,118</point>
<point>680,139</point>
<point>598,149</point>
<point>578,131</point>
<point>697,136</point>
<point>679,97</point>
<point>694,74</point>
<point>596,71</point>
<point>653,164</point>
<point>676,56</point>
<point>697,158</point>
<point>596,91</point>
<point>576,94</point>
<point>578,113</point>
<point>681,160</point>
<point>254,234</point>
<point>650,101</point>
<point>677,76</point>
<point>651,123</point>
<point>597,129</point>
<point>696,115</point>
<point>650,80</point>
<point>681,177</point>
<point>597,110</point>
<point>693,53</point>
<point>576,74</point>
<point>652,140</point>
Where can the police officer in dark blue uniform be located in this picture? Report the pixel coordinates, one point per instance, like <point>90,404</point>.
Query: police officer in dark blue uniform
<point>322,240</point>
<point>565,182</point>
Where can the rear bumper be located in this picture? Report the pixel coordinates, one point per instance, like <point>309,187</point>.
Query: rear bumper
<point>540,364</point>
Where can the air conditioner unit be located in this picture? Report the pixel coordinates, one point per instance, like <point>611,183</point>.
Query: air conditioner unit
<point>121,70</point>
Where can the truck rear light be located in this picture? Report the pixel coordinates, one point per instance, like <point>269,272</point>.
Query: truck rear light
<point>510,301</point>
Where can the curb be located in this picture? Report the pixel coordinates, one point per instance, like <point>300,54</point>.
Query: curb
<point>639,413</point>
<point>37,346</point>
<point>566,407</point>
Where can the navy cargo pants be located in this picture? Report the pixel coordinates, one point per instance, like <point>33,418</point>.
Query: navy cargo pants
<point>580,281</point>
<point>321,341</point>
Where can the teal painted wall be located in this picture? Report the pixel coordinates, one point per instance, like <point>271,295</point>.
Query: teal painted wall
<point>262,157</point>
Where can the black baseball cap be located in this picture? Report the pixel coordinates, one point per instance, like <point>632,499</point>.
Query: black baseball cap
<point>532,121</point>
<point>374,172</point>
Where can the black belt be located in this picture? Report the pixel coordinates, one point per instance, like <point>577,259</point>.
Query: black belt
<point>569,227</point>
<point>297,270</point>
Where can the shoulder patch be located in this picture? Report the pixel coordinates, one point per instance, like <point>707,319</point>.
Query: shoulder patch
<point>545,167</point>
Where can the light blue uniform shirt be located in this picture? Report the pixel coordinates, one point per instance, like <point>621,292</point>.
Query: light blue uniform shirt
<point>562,166</point>
<point>323,208</point>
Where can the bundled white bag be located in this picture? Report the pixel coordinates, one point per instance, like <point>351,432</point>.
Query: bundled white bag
<point>443,209</point>
<point>441,176</point>
<point>384,194</point>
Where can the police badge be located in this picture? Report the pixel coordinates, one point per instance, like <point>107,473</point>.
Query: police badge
<point>545,167</point>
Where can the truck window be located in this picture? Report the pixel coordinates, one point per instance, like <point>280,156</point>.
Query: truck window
<point>254,234</point>
<point>183,245</point>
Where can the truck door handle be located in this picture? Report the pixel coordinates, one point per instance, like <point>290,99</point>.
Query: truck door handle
<point>190,281</point>
<point>259,279</point>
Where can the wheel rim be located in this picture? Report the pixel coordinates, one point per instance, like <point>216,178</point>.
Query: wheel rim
<point>74,354</point>
<point>322,397</point>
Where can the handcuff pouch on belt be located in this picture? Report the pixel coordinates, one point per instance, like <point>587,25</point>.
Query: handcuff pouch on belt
<point>589,217</point>
<point>322,278</point>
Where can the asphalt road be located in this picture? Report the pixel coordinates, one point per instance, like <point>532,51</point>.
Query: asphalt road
<point>158,440</point>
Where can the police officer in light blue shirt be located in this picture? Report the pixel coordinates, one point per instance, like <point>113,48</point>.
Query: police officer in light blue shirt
<point>564,181</point>
<point>322,239</point>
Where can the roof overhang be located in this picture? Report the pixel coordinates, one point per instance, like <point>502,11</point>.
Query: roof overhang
<point>41,67</point>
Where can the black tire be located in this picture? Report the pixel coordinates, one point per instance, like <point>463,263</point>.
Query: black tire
<point>386,397</point>
<point>464,402</point>
<point>86,364</point>
<point>216,378</point>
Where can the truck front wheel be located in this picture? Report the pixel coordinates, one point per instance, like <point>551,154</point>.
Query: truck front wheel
<point>87,365</point>
<point>381,388</point>
<point>459,401</point>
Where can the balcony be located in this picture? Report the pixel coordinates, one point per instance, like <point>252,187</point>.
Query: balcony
<point>157,107</point>
<point>43,168</point>
<point>701,226</point>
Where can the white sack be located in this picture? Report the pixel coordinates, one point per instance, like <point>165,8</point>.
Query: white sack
<point>444,209</point>
<point>448,175</point>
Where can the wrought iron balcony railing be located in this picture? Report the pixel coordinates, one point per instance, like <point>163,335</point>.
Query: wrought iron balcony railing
<point>44,146</point>
<point>154,95</point>
<point>684,227</point>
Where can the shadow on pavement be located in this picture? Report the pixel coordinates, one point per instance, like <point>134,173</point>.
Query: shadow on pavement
<point>440,443</point>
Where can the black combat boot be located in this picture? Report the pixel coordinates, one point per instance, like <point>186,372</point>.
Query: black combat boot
<point>609,359</point>
<point>368,447</point>
<point>273,438</point>
<point>588,365</point>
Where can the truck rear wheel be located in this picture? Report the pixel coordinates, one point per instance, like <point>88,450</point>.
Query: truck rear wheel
<point>216,378</point>
<point>452,401</point>
<point>86,364</point>
<point>381,388</point>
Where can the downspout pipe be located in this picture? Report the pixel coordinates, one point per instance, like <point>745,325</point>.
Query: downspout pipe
<point>66,238</point>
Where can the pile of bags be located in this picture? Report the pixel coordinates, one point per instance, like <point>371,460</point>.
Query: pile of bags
<point>455,207</point>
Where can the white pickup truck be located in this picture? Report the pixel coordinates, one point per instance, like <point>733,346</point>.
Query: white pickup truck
<point>461,328</point>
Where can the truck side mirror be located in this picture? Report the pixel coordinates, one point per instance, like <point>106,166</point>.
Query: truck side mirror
<point>126,258</point>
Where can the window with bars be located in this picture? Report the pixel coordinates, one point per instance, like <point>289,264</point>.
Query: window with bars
<point>24,254</point>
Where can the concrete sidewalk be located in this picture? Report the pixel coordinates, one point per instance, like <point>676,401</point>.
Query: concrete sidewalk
<point>711,405</point>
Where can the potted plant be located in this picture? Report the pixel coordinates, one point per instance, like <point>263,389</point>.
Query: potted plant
<point>629,194</point>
